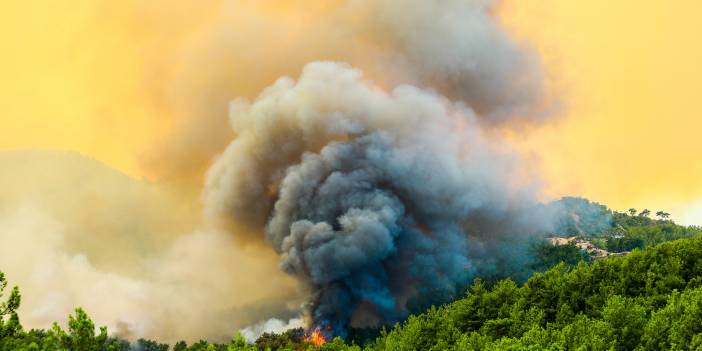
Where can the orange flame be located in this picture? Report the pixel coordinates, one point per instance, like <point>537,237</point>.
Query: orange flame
<point>316,338</point>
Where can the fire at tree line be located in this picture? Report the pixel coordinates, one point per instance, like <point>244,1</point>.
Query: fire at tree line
<point>632,284</point>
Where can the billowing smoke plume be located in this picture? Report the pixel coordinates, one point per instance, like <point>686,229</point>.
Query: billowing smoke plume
<point>456,47</point>
<point>386,197</point>
<point>364,193</point>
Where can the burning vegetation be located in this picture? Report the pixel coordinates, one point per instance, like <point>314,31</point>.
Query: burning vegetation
<point>316,337</point>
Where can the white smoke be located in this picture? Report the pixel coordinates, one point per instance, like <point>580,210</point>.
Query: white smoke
<point>272,325</point>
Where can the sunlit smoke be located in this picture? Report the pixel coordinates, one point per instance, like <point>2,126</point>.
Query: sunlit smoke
<point>273,325</point>
<point>84,235</point>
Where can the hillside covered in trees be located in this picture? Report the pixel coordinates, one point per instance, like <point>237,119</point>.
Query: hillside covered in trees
<point>650,299</point>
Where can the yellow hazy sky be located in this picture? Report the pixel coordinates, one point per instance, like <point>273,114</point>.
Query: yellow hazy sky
<point>79,75</point>
<point>629,75</point>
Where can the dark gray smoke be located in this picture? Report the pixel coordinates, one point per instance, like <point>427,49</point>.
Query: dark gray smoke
<point>363,213</point>
<point>379,201</point>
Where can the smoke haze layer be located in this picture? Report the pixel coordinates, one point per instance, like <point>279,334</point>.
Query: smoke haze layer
<point>75,233</point>
<point>455,47</point>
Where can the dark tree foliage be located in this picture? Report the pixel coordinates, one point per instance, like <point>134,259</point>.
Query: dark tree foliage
<point>150,345</point>
<point>362,336</point>
<point>624,244</point>
<point>180,346</point>
<point>286,340</point>
<point>546,255</point>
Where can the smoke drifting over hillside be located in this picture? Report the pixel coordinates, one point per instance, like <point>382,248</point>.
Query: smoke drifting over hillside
<point>382,199</point>
<point>75,233</point>
<point>379,176</point>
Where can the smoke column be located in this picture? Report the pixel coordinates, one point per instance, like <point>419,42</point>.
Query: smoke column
<point>385,200</point>
<point>377,178</point>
